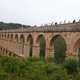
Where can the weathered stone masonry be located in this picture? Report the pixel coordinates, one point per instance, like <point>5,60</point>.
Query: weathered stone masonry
<point>18,41</point>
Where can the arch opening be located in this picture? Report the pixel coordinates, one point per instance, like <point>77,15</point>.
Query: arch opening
<point>22,40</point>
<point>11,36</point>
<point>16,38</point>
<point>42,46</point>
<point>30,44</point>
<point>0,36</point>
<point>5,35</point>
<point>77,48</point>
<point>8,36</point>
<point>59,47</point>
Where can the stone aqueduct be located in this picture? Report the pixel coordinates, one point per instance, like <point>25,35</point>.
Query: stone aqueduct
<point>18,41</point>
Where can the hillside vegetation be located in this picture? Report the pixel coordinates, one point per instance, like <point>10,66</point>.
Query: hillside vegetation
<point>11,26</point>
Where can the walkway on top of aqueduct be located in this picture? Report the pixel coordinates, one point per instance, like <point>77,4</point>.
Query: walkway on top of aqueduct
<point>19,41</point>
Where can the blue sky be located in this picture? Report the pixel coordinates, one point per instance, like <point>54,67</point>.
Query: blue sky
<point>31,12</point>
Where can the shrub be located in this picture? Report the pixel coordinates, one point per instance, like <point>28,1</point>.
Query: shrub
<point>32,69</point>
<point>11,64</point>
<point>32,59</point>
<point>55,72</point>
<point>71,65</point>
<point>59,49</point>
<point>3,74</point>
<point>77,77</point>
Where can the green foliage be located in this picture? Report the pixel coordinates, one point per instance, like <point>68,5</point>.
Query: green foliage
<point>41,71</point>
<point>71,66</point>
<point>77,77</point>
<point>3,74</point>
<point>59,49</point>
<point>12,68</point>
<point>31,69</point>
<point>55,72</point>
<point>42,47</point>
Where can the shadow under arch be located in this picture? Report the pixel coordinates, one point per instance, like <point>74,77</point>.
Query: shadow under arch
<point>0,36</point>
<point>30,44</point>
<point>11,36</point>
<point>16,37</point>
<point>8,36</point>
<point>42,46</point>
<point>5,35</point>
<point>22,41</point>
<point>59,47</point>
<point>22,38</point>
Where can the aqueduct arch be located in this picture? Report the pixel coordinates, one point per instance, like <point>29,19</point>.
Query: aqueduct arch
<point>22,41</point>
<point>11,37</point>
<point>58,47</point>
<point>8,36</point>
<point>30,44</point>
<point>22,38</point>
<point>42,45</point>
<point>76,47</point>
<point>16,37</point>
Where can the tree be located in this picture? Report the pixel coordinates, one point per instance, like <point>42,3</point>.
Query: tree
<point>59,49</point>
